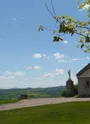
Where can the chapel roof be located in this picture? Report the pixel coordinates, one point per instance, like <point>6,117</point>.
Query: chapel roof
<point>83,70</point>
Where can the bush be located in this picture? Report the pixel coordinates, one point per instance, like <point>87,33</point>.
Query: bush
<point>76,89</point>
<point>64,93</point>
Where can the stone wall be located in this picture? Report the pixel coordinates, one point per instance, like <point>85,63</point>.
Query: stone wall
<point>84,87</point>
<point>85,74</point>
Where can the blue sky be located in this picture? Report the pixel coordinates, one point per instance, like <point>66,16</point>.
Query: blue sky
<point>29,58</point>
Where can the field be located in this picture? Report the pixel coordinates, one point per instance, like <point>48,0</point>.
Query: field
<point>65,113</point>
<point>31,92</point>
<point>8,101</point>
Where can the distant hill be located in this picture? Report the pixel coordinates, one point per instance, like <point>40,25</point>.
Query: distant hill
<point>32,92</point>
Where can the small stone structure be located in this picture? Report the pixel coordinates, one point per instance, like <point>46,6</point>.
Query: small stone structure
<point>69,86</point>
<point>84,81</point>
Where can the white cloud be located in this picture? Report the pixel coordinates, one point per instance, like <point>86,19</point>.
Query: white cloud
<point>88,58</point>
<point>8,73</point>
<point>67,60</point>
<point>59,71</point>
<point>65,42</point>
<point>43,55</point>
<point>12,75</point>
<point>19,73</point>
<point>46,57</point>
<point>2,77</point>
<point>33,67</point>
<point>37,56</point>
<point>75,59</point>
<point>14,18</point>
<point>61,61</point>
<point>53,74</point>
<point>36,67</point>
<point>67,57</point>
<point>64,61</point>
<point>58,55</point>
<point>47,75</point>
<point>28,68</point>
<point>38,78</point>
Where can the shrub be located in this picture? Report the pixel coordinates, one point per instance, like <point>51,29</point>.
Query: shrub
<point>64,93</point>
<point>76,89</point>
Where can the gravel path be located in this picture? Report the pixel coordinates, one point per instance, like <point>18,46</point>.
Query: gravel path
<point>39,102</point>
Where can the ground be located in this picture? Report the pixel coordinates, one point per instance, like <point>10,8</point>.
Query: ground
<point>63,113</point>
<point>39,102</point>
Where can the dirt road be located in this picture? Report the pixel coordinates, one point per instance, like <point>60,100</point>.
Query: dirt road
<point>39,102</point>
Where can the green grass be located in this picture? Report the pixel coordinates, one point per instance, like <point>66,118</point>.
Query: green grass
<point>8,101</point>
<point>66,113</point>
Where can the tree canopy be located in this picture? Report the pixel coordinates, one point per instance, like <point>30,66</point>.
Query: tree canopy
<point>68,25</point>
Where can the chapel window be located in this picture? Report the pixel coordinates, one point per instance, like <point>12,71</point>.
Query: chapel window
<point>87,83</point>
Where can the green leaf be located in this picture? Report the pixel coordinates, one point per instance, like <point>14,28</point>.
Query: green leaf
<point>69,18</point>
<point>87,39</point>
<point>89,15</point>
<point>82,5</point>
<point>63,17</point>
<point>57,38</point>
<point>40,28</point>
<point>88,22</point>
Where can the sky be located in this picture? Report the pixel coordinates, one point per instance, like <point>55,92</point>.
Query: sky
<point>29,58</point>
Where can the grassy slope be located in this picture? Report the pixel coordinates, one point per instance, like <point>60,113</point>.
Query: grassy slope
<point>66,113</point>
<point>8,101</point>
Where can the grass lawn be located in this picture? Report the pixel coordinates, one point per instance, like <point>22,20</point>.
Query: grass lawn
<point>65,113</point>
<point>8,101</point>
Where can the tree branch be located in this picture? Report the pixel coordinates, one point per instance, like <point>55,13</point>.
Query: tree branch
<point>83,27</point>
<point>79,33</point>
<point>49,11</point>
<point>53,8</point>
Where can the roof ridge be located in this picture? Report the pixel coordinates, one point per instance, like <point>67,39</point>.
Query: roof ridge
<point>84,69</point>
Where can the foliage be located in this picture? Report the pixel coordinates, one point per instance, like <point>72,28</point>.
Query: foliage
<point>66,113</point>
<point>68,25</point>
<point>8,101</point>
<point>64,93</point>
<point>31,92</point>
<point>76,89</point>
